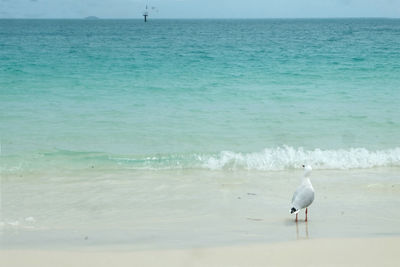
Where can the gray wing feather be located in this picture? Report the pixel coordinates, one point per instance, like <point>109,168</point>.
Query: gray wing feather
<point>303,197</point>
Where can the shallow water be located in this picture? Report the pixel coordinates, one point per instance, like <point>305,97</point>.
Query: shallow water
<point>198,86</point>
<point>176,209</point>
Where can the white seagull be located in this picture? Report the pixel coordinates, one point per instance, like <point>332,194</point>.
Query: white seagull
<point>304,195</point>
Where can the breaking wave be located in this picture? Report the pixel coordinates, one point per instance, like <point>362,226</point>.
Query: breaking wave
<point>283,158</point>
<point>269,159</point>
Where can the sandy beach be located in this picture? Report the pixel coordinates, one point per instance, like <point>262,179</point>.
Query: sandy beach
<point>319,252</point>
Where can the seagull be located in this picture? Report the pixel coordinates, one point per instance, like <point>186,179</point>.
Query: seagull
<point>304,195</point>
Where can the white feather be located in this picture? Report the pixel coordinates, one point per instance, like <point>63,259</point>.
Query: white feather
<point>304,194</point>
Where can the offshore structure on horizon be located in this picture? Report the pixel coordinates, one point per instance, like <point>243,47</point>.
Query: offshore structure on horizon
<point>145,14</point>
<point>146,11</point>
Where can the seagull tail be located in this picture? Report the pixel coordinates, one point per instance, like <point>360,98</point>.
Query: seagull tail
<point>293,210</point>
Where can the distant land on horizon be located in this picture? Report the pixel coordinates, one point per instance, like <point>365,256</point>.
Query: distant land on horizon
<point>92,17</point>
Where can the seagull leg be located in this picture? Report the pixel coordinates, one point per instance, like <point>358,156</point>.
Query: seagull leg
<point>306,214</point>
<point>296,217</point>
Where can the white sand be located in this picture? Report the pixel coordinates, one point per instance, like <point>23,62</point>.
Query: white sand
<point>317,252</point>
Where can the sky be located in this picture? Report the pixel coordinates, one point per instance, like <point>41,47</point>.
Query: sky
<point>199,8</point>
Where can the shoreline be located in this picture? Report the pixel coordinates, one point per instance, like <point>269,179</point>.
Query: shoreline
<point>311,252</point>
<point>157,210</point>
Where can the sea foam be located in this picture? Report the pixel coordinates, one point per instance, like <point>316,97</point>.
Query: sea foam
<point>269,159</point>
<point>282,158</point>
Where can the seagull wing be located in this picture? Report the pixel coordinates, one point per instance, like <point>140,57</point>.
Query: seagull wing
<point>303,197</point>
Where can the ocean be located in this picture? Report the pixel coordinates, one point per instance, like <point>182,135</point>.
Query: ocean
<point>131,131</point>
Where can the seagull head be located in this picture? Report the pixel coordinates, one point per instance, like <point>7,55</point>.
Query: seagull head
<point>307,170</point>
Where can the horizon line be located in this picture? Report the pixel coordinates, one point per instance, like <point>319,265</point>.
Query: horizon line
<point>211,18</point>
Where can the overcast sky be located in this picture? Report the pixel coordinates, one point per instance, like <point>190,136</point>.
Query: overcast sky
<point>199,8</point>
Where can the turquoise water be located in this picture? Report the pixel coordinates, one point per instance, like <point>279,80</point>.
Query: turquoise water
<point>185,133</point>
<point>263,94</point>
